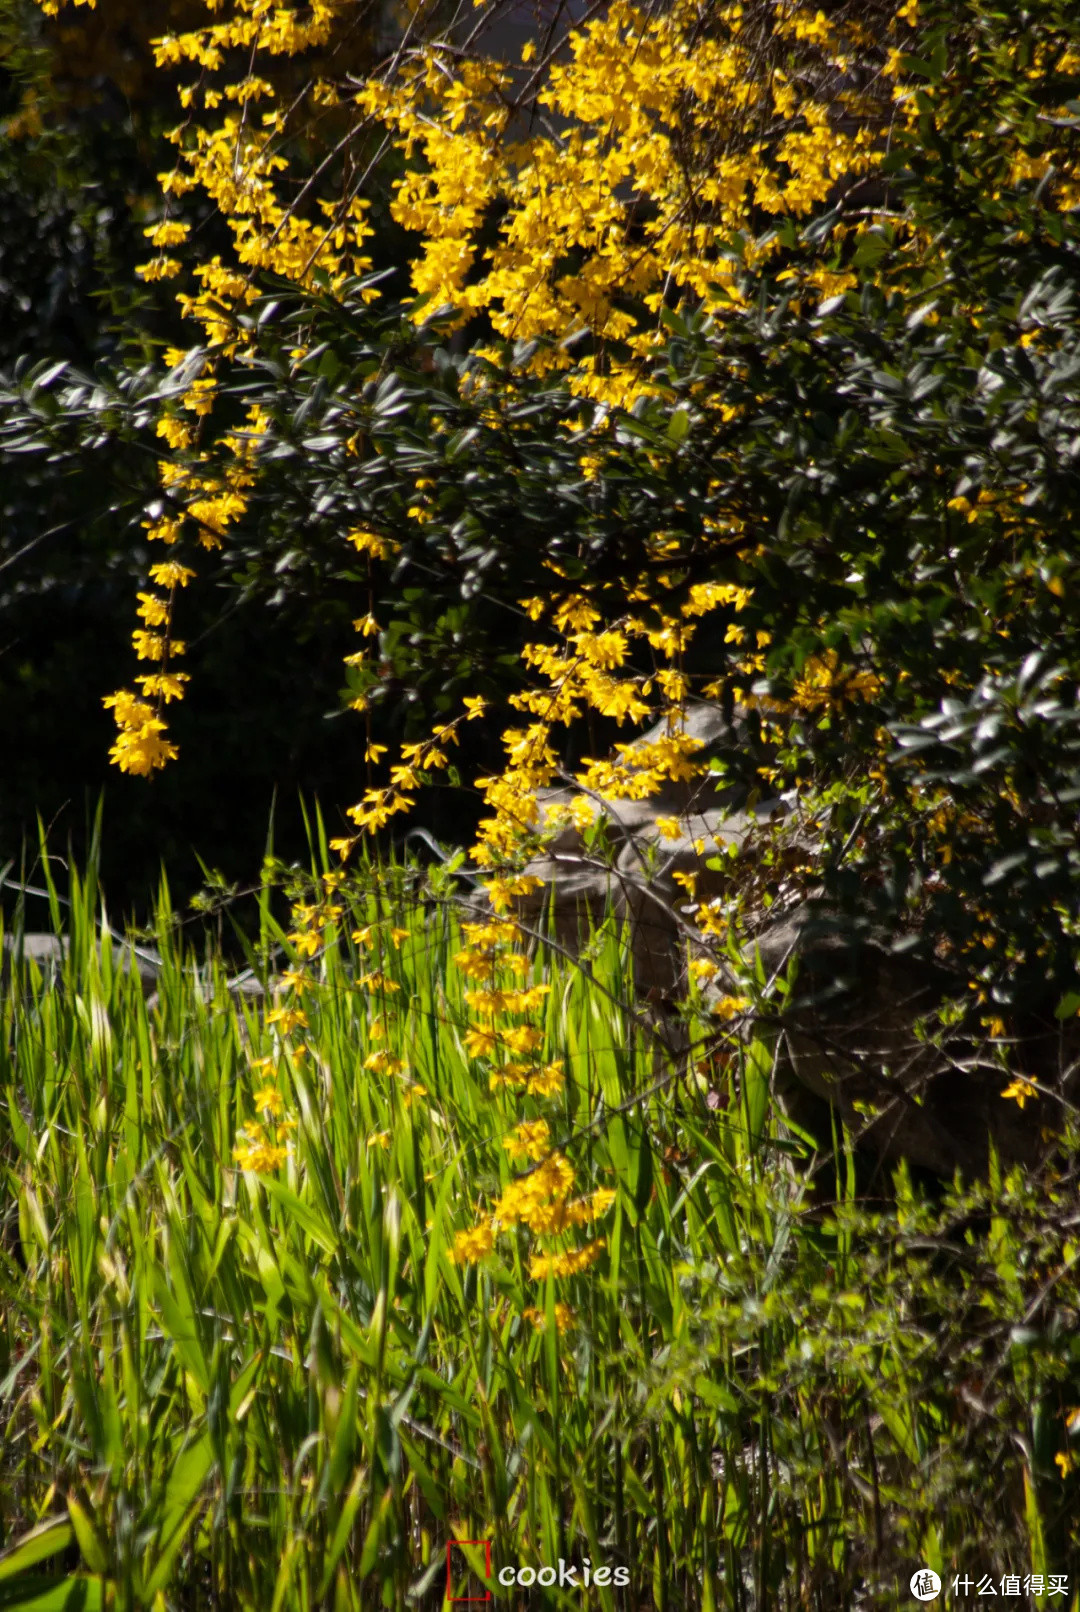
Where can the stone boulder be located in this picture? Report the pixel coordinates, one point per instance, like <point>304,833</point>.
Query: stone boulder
<point>637,869</point>
<point>48,952</point>
<point>661,878</point>
<point>853,1042</point>
<point>652,878</point>
<point>677,798</point>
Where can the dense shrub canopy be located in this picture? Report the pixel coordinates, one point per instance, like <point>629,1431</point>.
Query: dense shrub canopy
<point>763,389</point>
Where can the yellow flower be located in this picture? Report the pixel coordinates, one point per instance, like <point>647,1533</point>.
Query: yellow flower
<point>564,1317</point>
<point>163,685</point>
<point>270,1100</point>
<point>169,574</point>
<point>286,1018</point>
<point>474,965</point>
<point>529,1141</point>
<point>491,934</point>
<point>576,614</point>
<point>168,233</point>
<point>508,1074</point>
<point>376,981</point>
<point>570,1263</point>
<point>379,1139</point>
<point>158,268</point>
<point>144,751</point>
<point>729,1007</point>
<point>825,682</point>
<point>470,1246</point>
<point>522,1038</point>
<point>371,543</point>
<point>255,1151</point>
<point>1065,1462</point>
<point>546,1082</point>
<point>494,1001</point>
<point>479,1043</point>
<point>1021,1090</point>
<point>384,1063</point>
<point>177,433</point>
<point>139,747</point>
<point>153,646</point>
<point>606,650</point>
<point>535,1199</point>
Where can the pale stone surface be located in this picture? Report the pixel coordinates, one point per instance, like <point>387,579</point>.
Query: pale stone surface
<point>47,952</point>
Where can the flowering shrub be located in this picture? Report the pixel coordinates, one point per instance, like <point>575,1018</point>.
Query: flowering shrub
<point>745,372</point>
<point>831,353</point>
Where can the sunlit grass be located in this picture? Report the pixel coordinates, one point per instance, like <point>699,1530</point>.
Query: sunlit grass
<point>274,1387</point>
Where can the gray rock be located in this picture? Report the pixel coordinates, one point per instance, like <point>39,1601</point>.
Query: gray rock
<point>623,818</point>
<point>646,882</point>
<point>49,951</point>
<point>707,723</point>
<point>853,1042</point>
<point>658,877</point>
<point>677,798</point>
<point>574,894</point>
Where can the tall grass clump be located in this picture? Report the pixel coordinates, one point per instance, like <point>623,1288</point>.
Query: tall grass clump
<point>436,1242</point>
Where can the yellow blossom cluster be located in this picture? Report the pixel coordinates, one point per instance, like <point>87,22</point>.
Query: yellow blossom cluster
<point>584,672</point>
<point>606,190</point>
<point>1021,1090</point>
<point>643,104</point>
<point>569,1262</point>
<point>262,1145</point>
<point>541,1201</point>
<point>379,805</point>
<point>542,1198</point>
<point>208,501</point>
<point>140,746</point>
<point>564,1317</point>
<point>257,1148</point>
<point>825,683</point>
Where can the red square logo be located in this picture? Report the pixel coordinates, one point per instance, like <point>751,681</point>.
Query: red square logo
<point>450,1596</point>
